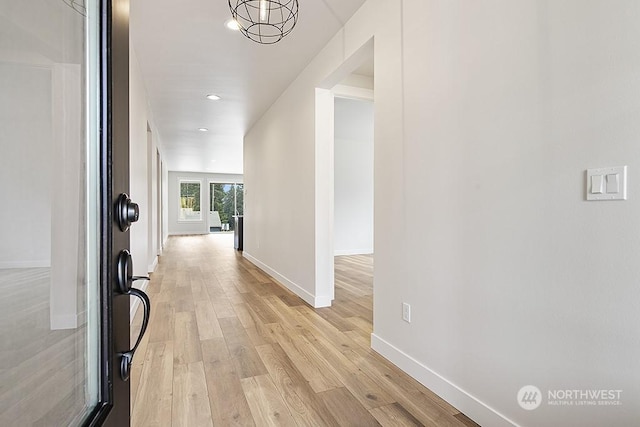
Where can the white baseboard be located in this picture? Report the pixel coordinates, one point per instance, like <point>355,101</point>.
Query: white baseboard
<point>312,300</point>
<point>341,252</point>
<point>459,398</point>
<point>153,265</point>
<point>188,233</point>
<point>135,302</point>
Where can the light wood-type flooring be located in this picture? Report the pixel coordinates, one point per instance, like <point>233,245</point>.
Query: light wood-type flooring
<point>42,371</point>
<point>228,346</point>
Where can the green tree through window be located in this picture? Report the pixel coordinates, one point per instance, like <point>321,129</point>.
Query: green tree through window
<point>227,200</point>
<point>190,201</point>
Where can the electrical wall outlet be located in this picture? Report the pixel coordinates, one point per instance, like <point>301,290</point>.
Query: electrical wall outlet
<point>406,312</point>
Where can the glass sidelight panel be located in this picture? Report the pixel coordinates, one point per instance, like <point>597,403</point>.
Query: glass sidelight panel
<point>226,200</point>
<point>49,245</point>
<point>239,202</point>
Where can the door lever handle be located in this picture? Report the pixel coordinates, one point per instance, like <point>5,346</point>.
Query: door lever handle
<point>125,279</point>
<point>126,358</point>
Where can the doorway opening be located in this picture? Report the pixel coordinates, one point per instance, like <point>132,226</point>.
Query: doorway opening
<point>226,202</point>
<point>353,200</point>
<point>345,172</point>
<point>159,217</point>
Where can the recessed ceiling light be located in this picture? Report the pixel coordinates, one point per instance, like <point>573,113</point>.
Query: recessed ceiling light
<point>213,97</point>
<point>232,24</point>
<point>203,129</point>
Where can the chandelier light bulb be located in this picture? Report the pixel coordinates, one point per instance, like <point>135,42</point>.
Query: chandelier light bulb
<point>263,10</point>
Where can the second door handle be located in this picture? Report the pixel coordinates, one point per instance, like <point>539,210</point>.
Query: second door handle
<point>125,279</point>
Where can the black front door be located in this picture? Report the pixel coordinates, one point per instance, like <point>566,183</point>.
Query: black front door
<point>64,175</point>
<point>119,212</point>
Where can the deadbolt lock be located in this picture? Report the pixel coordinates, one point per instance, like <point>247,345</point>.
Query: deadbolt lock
<point>127,212</point>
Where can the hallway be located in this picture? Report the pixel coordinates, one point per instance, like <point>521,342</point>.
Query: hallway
<point>228,346</point>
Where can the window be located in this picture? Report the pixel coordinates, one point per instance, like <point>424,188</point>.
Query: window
<point>190,201</point>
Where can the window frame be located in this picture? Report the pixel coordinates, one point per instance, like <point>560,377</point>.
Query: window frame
<point>181,219</point>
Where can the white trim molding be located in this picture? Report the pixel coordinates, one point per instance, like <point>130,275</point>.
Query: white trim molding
<point>152,267</point>
<point>312,300</point>
<point>187,233</point>
<point>477,410</point>
<point>342,252</point>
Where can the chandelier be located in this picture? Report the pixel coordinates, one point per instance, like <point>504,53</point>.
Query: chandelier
<point>265,21</point>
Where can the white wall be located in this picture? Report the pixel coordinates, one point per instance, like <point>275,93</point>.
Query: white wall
<point>480,151</point>
<point>177,227</point>
<point>353,171</point>
<point>143,152</point>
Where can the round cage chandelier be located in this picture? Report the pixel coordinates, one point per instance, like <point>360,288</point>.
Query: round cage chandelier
<point>265,21</point>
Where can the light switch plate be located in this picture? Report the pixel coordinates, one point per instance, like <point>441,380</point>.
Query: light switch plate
<point>599,176</point>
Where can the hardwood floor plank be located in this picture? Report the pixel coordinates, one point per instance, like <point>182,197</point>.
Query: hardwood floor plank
<point>359,338</point>
<point>259,275</point>
<point>260,311</point>
<point>319,379</point>
<point>240,286</point>
<point>187,344</point>
<point>243,314</point>
<point>223,307</point>
<point>183,298</point>
<point>335,319</point>
<point>363,388</point>
<point>227,400</point>
<point>292,300</point>
<point>418,400</point>
<point>214,289</point>
<point>303,403</point>
<point>208,325</point>
<point>214,350</point>
<point>312,321</point>
<point>233,295</point>
<point>265,402</point>
<point>154,399</point>
<point>241,349</point>
<point>362,324</point>
<point>190,398</point>
<point>267,331</point>
<point>394,415</point>
<point>287,316</point>
<point>468,422</point>
<point>346,409</point>
<point>162,322</point>
<point>257,338</point>
<point>199,290</point>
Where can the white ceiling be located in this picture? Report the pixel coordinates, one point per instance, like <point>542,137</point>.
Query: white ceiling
<point>185,52</point>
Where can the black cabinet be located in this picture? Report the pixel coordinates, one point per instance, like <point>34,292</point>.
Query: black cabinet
<point>237,233</point>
